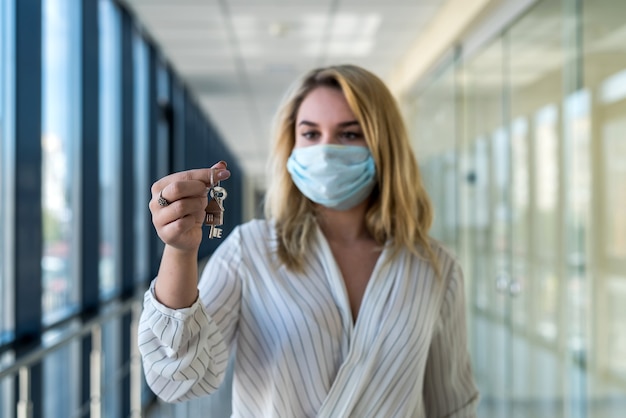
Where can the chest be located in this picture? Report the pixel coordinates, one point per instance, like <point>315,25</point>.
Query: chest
<point>356,264</point>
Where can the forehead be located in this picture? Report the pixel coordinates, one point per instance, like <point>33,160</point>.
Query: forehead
<point>325,105</point>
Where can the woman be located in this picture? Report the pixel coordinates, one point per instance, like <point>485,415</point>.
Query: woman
<point>338,304</point>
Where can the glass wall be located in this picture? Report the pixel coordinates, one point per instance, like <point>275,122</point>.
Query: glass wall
<point>62,388</point>
<point>598,201</point>
<point>141,78</point>
<point>110,90</point>
<point>60,144</point>
<point>95,233</point>
<point>6,133</point>
<point>538,210</point>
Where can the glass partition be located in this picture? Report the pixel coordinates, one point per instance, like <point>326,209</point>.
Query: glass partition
<point>6,139</point>
<point>142,155</point>
<point>539,157</point>
<point>598,214</point>
<point>435,148</point>
<point>60,142</point>
<point>110,90</point>
<point>7,389</point>
<point>536,64</point>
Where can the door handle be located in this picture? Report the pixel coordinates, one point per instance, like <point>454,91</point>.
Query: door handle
<point>515,288</point>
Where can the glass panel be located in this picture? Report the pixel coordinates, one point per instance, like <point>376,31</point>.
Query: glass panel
<point>598,215</point>
<point>7,385</point>
<point>487,226</point>
<point>142,156</point>
<point>536,60</point>
<point>545,221</point>
<point>61,380</point>
<point>435,135</point>
<point>520,202</point>
<point>60,140</point>
<point>4,326</point>
<point>111,374</point>
<point>164,131</point>
<point>578,173</point>
<point>110,148</point>
<point>6,139</point>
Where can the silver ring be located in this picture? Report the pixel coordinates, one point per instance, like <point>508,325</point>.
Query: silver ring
<point>162,201</point>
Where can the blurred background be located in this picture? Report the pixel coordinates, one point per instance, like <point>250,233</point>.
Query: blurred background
<point>516,110</point>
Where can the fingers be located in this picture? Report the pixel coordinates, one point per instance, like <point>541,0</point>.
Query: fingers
<point>178,220</point>
<point>216,173</point>
<point>192,206</point>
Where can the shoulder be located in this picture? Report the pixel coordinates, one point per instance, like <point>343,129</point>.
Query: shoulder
<point>447,261</point>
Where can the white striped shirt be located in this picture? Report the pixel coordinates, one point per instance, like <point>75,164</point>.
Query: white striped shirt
<point>298,352</point>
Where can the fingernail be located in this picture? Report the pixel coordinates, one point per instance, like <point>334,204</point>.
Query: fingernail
<point>223,174</point>
<point>223,162</point>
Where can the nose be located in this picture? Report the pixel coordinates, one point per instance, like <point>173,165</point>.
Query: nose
<point>329,138</point>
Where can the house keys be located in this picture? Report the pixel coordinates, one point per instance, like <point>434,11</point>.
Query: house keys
<point>215,209</point>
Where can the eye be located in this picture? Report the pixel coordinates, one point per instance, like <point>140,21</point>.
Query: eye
<point>310,135</point>
<point>351,135</point>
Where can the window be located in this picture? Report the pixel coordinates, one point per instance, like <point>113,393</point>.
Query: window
<point>6,139</point>
<point>61,379</point>
<point>142,155</point>
<point>110,150</point>
<point>60,140</point>
<point>7,386</point>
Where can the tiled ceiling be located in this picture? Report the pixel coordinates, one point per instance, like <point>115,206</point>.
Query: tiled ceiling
<point>239,56</point>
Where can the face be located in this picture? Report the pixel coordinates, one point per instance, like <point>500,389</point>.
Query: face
<point>324,117</point>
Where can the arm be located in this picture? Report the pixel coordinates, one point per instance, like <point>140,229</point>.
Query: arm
<point>184,350</point>
<point>179,225</point>
<point>449,388</point>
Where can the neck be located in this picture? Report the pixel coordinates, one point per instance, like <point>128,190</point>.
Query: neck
<point>343,226</point>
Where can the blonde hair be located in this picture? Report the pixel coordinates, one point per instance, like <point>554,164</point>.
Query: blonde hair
<point>399,210</point>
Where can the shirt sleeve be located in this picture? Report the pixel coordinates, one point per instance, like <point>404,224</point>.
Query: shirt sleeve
<point>449,387</point>
<point>185,351</point>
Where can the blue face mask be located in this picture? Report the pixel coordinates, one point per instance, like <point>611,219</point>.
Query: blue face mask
<point>336,176</point>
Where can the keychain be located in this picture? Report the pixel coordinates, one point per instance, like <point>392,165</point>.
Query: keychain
<point>215,209</point>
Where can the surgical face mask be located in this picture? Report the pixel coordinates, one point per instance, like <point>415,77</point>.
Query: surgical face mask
<point>335,176</point>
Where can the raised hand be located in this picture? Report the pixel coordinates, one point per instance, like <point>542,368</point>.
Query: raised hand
<point>178,205</point>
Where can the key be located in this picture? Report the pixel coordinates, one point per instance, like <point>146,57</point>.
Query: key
<point>215,211</point>
<point>215,232</point>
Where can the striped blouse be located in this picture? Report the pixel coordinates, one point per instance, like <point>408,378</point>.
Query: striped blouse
<point>298,352</point>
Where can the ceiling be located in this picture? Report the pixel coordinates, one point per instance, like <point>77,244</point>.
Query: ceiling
<point>239,56</point>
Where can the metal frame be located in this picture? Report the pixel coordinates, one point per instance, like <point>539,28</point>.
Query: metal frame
<point>23,367</point>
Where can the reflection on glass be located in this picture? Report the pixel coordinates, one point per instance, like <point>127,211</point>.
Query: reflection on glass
<point>110,148</point>
<point>61,111</point>
<point>142,155</point>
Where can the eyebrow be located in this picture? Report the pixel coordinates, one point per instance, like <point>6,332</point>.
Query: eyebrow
<point>342,124</point>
